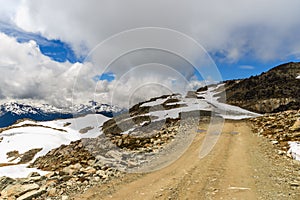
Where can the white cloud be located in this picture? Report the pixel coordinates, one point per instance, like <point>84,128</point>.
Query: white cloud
<point>246,67</point>
<point>267,29</point>
<point>31,75</point>
<point>28,74</point>
<point>255,29</point>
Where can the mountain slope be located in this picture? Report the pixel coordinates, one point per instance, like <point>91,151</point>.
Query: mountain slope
<point>272,91</point>
<point>14,111</point>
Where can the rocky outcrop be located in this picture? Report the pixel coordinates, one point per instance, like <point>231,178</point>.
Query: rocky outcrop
<point>280,128</point>
<point>64,180</point>
<point>273,91</point>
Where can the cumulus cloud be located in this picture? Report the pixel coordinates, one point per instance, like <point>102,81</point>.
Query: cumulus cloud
<point>28,74</point>
<point>266,29</point>
<point>160,62</point>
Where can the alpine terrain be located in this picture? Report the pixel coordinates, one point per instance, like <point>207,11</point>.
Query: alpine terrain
<point>239,139</point>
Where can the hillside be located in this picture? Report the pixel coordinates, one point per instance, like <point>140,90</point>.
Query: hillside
<point>273,91</point>
<point>168,147</point>
<point>80,154</point>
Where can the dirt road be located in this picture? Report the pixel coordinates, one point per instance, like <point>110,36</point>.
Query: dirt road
<point>241,166</point>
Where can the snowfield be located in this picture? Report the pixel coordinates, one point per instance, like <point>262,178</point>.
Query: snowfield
<point>208,101</point>
<point>45,135</point>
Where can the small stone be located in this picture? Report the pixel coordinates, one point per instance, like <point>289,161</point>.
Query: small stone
<point>52,192</point>
<point>295,184</point>
<point>280,152</point>
<point>274,142</point>
<point>91,162</point>
<point>68,170</point>
<point>64,197</point>
<point>120,141</point>
<point>33,174</point>
<point>89,170</point>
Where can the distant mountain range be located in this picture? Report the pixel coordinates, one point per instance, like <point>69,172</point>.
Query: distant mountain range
<point>273,91</point>
<point>13,111</point>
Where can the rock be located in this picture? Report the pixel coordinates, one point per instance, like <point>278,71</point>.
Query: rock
<point>296,134</point>
<point>89,170</point>
<point>102,174</point>
<point>91,162</point>
<point>52,192</point>
<point>18,190</point>
<point>77,166</point>
<point>5,181</point>
<point>97,179</point>
<point>295,184</point>
<point>114,154</point>
<point>280,152</point>
<point>65,178</point>
<point>119,143</point>
<point>296,126</point>
<point>274,142</point>
<point>33,174</point>
<point>64,197</point>
<point>68,170</point>
<point>32,194</point>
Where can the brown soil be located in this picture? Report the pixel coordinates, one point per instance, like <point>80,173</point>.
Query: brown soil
<point>241,166</point>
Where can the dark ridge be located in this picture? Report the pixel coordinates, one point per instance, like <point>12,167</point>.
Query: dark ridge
<point>272,91</point>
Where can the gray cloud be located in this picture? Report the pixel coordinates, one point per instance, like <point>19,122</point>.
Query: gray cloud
<point>236,27</point>
<point>231,30</point>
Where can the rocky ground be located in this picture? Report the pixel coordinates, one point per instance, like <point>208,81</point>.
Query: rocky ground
<point>104,162</point>
<point>86,163</point>
<point>240,166</point>
<point>279,128</point>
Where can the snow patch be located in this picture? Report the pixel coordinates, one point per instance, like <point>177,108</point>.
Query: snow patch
<point>294,150</point>
<point>19,171</point>
<point>154,103</point>
<point>46,135</point>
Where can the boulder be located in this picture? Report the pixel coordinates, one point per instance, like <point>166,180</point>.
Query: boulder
<point>32,194</point>
<point>5,181</point>
<point>18,190</point>
<point>296,126</point>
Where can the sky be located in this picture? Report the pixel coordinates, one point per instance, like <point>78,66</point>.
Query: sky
<point>121,52</point>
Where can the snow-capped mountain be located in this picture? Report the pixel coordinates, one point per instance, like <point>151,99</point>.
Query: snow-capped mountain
<point>13,111</point>
<point>95,107</point>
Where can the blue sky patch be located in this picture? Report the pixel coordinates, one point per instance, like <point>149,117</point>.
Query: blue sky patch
<point>57,50</point>
<point>105,76</point>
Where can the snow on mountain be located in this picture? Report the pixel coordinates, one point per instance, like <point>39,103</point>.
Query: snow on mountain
<point>27,140</point>
<point>205,101</point>
<point>19,140</point>
<point>13,111</point>
<point>298,77</point>
<point>19,109</point>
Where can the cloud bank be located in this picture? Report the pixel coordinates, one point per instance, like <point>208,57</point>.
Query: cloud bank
<point>263,29</point>
<point>229,30</point>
